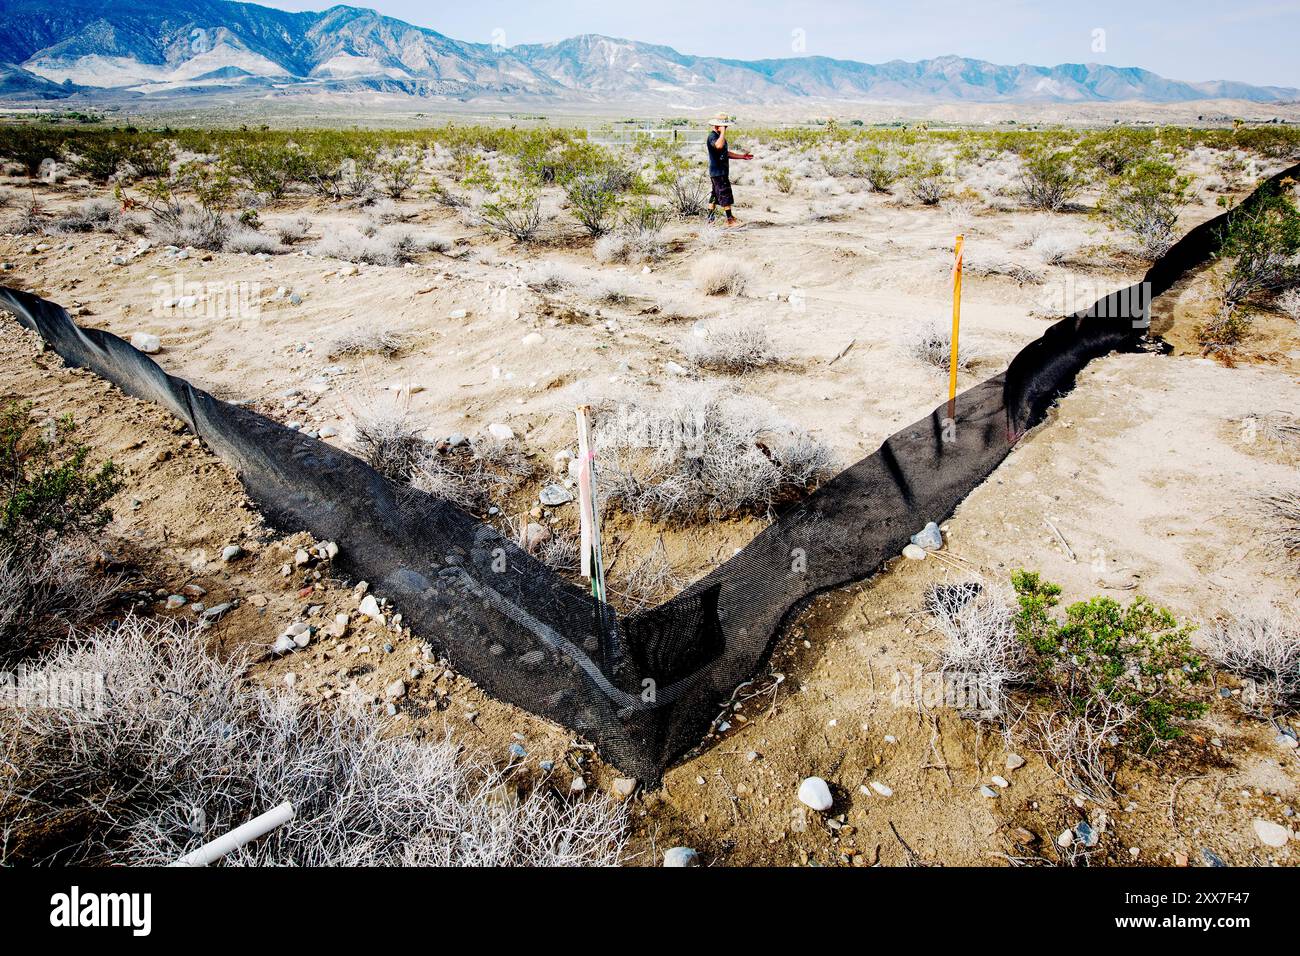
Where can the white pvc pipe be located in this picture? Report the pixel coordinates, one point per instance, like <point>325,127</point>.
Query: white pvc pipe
<point>246,833</point>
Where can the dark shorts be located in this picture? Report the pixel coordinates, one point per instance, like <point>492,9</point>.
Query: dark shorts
<point>721,190</point>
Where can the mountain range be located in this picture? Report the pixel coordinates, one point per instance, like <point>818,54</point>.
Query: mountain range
<point>135,49</point>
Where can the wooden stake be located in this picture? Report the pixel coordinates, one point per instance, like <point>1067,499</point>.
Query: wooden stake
<point>956,327</point>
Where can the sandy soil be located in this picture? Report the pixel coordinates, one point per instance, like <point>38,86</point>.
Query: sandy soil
<point>1145,470</point>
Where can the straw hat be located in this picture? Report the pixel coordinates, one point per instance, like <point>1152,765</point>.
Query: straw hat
<point>720,119</point>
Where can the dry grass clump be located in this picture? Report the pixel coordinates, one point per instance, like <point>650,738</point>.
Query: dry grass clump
<point>252,242</point>
<point>638,239</point>
<point>386,246</point>
<point>732,347</point>
<point>293,230</point>
<point>550,278</point>
<point>176,748</point>
<point>560,552</point>
<point>931,344</point>
<point>1280,509</point>
<point>93,215</point>
<point>611,290</point>
<point>696,453</point>
<point>1274,428</point>
<point>471,474</point>
<point>370,340</point>
<point>189,226</point>
<point>391,442</point>
<point>1053,248</point>
<point>649,580</point>
<point>981,648</point>
<point>1288,303</point>
<point>46,589</point>
<point>1263,648</point>
<point>718,275</point>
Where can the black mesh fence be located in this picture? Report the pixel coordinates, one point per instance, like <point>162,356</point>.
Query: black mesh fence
<point>645,687</point>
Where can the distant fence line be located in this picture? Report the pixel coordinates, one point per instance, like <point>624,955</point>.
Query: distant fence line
<point>624,137</point>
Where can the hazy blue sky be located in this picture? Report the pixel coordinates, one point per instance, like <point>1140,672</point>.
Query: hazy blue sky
<point>1252,40</point>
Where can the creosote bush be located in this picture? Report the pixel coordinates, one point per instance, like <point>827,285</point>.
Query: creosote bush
<point>516,211</point>
<point>1050,179</point>
<point>1144,201</point>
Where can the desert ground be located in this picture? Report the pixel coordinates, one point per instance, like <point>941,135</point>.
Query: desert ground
<point>1146,479</point>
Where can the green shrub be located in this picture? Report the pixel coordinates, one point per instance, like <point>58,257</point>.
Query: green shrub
<point>52,502</point>
<point>397,175</point>
<point>1144,201</point>
<point>782,180</point>
<point>45,481</point>
<point>268,169</point>
<point>516,211</point>
<point>1262,239</point>
<point>594,203</point>
<point>1133,661</point>
<point>29,146</point>
<point>99,158</point>
<point>927,180</point>
<point>878,167</point>
<point>1051,179</point>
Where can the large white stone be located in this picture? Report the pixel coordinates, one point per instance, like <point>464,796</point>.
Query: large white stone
<point>815,794</point>
<point>1272,834</point>
<point>146,342</point>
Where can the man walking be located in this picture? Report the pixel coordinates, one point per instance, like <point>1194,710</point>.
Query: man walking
<point>720,168</point>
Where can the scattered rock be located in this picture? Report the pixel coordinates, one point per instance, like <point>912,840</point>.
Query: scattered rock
<point>1000,782</point>
<point>914,553</point>
<point>930,538</point>
<point>370,608</point>
<point>517,750</point>
<point>1087,834</point>
<point>396,690</point>
<point>815,794</point>
<point>681,856</point>
<point>501,432</point>
<point>624,786</point>
<point>175,600</point>
<point>536,535</point>
<point>1066,839</point>
<point>554,495</point>
<point>216,612</point>
<point>1272,834</point>
<point>882,789</point>
<point>231,551</point>
<point>578,785</point>
<point>532,338</point>
<point>146,342</point>
<point>987,791</point>
<point>1015,761</point>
